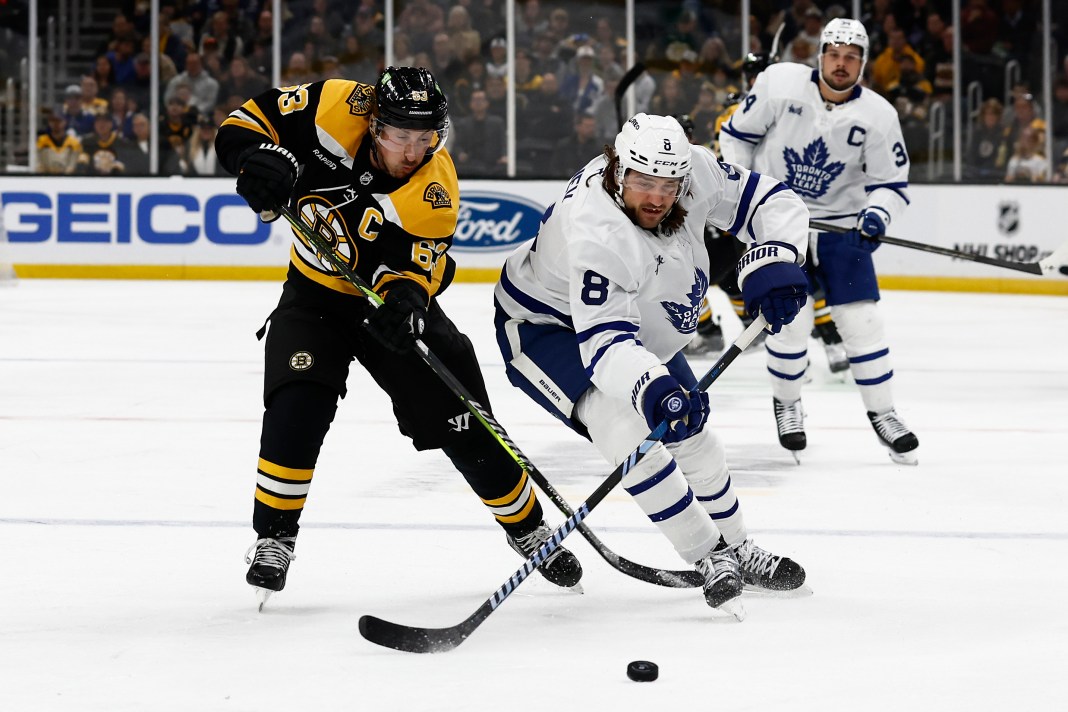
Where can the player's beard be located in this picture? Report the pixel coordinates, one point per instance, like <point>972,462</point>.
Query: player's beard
<point>840,82</point>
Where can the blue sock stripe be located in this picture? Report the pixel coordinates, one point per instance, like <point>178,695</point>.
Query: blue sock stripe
<point>874,381</point>
<point>869,357</point>
<point>717,495</point>
<point>648,484</point>
<point>776,354</point>
<point>784,376</point>
<point>675,508</point>
<point>724,515</point>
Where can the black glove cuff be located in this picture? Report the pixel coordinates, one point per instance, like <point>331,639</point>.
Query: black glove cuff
<point>272,148</point>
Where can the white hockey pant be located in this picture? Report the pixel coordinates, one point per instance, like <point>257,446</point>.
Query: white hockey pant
<point>684,489</point>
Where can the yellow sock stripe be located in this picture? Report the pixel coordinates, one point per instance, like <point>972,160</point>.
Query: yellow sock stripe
<point>511,496</point>
<point>278,502</point>
<point>823,319</point>
<point>521,514</point>
<point>285,473</point>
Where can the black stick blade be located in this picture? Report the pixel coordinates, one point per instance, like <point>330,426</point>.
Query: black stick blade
<point>412,639</point>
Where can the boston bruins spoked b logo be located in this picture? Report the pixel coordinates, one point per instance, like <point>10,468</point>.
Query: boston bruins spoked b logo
<point>321,218</point>
<point>301,361</point>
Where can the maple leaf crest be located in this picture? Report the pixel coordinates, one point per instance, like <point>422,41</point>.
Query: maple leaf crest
<point>684,316</point>
<point>809,174</point>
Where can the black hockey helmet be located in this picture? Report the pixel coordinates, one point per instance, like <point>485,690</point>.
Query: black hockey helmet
<point>686,122</point>
<point>410,98</point>
<point>753,64</point>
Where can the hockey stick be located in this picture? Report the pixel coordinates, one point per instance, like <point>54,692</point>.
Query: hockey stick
<point>413,639</point>
<point>624,84</point>
<point>660,577</point>
<point>1056,261</point>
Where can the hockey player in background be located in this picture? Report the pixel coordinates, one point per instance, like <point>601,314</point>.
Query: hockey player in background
<point>365,166</point>
<point>592,316</point>
<point>722,247</point>
<point>839,146</point>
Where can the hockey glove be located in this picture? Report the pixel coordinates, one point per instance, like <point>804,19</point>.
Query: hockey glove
<point>401,319</point>
<point>658,396</point>
<point>266,176</point>
<point>772,283</point>
<point>870,227</point>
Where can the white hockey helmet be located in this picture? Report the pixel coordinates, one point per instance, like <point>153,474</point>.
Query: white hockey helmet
<point>843,31</point>
<point>656,146</point>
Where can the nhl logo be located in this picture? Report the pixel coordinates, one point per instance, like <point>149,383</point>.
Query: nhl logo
<point>301,361</point>
<point>366,178</point>
<point>1008,217</point>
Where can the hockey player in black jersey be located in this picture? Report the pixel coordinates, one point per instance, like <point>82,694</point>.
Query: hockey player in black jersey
<point>365,167</point>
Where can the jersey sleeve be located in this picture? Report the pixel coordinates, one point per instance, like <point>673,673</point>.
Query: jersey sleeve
<point>284,116</point>
<point>886,163</point>
<point>748,124</point>
<point>754,208</point>
<point>604,308</point>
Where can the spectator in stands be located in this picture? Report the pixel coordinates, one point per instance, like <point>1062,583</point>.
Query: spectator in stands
<point>1025,115</point>
<point>497,94</point>
<point>487,16</point>
<point>911,17</point>
<point>419,21</point>
<point>582,87</point>
<point>121,111</point>
<point>444,65</point>
<point>704,115</point>
<point>78,122</point>
<point>263,32</point>
<point>559,28</point>
<point>320,41</point>
<point>121,28</point>
<point>473,79</point>
<point>986,154</point>
<point>241,82</point>
<point>910,83</point>
<point>361,66</point>
<point>367,30</point>
<point>605,35</point>
<point>668,100</point>
<point>1026,165</point>
<point>204,87</point>
<point>978,27</point>
<point>175,128</point>
<point>201,150</point>
<point>527,81</point>
<point>169,43</point>
<point>886,68</point>
<point>134,153</point>
<point>104,75</point>
<point>713,54</point>
<point>543,57</point>
<point>297,70</point>
<point>139,88</point>
<point>497,64</point>
<point>530,21</point>
<point>479,144</point>
<point>100,149</point>
<point>684,31</point>
<point>547,120</point>
<point>178,24</point>
<point>91,103</point>
<point>607,63</point>
<point>1060,172</point>
<point>122,59</point>
<point>1018,31</point>
<point>803,48</point>
<point>403,56</point>
<point>230,44</point>
<point>583,141</point>
<point>466,40</point>
<point>1060,115</point>
<point>604,109</point>
<point>57,148</point>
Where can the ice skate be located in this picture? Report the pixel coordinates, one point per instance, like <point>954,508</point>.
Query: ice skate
<point>763,571</point>
<point>789,420</point>
<point>269,559</point>
<point>895,436</point>
<point>723,581</point>
<point>561,567</point>
<point>707,341</point>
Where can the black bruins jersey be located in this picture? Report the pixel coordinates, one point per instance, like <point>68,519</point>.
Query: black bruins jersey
<point>384,228</point>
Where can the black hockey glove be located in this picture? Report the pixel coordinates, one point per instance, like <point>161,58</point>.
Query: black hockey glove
<point>266,176</point>
<point>400,320</point>
<point>772,283</point>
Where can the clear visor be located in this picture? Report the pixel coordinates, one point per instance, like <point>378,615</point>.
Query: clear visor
<point>408,140</point>
<point>662,187</point>
<point>848,54</point>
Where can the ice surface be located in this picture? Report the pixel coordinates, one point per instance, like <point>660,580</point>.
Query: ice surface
<point>129,426</point>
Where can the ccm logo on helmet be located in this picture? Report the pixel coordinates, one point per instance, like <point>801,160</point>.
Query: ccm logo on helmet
<point>665,163</point>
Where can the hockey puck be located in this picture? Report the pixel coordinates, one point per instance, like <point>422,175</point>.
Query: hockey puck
<point>642,671</point>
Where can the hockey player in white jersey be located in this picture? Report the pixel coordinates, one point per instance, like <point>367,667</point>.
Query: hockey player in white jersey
<point>592,316</point>
<point>838,145</point>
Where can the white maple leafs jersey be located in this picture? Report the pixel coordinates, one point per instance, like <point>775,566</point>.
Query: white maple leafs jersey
<point>632,297</point>
<point>840,158</point>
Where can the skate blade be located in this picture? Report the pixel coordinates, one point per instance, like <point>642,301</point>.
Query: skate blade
<point>262,594</point>
<point>904,458</point>
<point>754,591</point>
<point>797,458</point>
<point>734,610</point>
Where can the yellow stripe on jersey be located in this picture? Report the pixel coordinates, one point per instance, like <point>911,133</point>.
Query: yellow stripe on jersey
<point>234,121</point>
<point>253,108</point>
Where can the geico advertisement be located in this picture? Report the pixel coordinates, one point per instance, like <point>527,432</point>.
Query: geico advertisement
<point>160,221</point>
<point>203,221</point>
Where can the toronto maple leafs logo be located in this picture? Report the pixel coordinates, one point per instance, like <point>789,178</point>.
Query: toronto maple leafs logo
<point>810,175</point>
<point>684,316</point>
